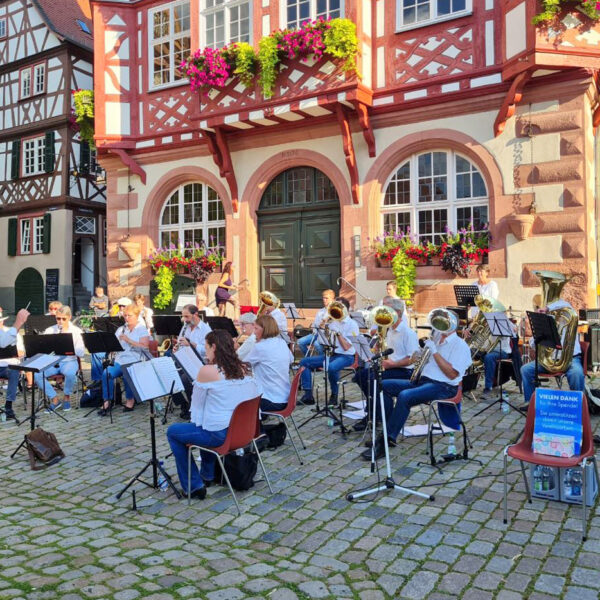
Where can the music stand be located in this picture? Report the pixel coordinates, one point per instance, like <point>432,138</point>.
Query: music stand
<point>222,323</point>
<point>39,323</point>
<point>169,325</point>
<point>153,462</point>
<point>108,324</point>
<point>183,300</point>
<point>40,363</point>
<point>465,296</point>
<point>544,333</point>
<point>359,318</point>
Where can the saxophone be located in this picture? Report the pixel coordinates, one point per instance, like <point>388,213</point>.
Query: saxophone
<point>482,341</point>
<point>567,320</point>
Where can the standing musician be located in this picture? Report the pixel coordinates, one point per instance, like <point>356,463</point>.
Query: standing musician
<point>449,358</point>
<point>404,343</point>
<point>219,387</point>
<point>311,339</point>
<point>67,365</point>
<point>343,356</point>
<point>486,286</point>
<point>270,359</point>
<point>134,339</point>
<point>145,312</point>
<point>391,291</point>
<point>246,340</point>
<point>223,293</point>
<point>9,336</point>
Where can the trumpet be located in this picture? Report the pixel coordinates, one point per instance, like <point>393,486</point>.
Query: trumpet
<point>267,299</point>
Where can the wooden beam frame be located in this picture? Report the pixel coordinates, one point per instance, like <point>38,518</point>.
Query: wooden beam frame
<point>513,97</point>
<point>217,144</point>
<point>344,122</point>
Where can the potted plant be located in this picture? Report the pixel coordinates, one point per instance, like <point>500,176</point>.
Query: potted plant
<point>551,10</point>
<point>459,251</point>
<point>82,116</point>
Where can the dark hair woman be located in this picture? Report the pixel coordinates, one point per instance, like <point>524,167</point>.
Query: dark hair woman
<point>223,293</point>
<point>219,387</point>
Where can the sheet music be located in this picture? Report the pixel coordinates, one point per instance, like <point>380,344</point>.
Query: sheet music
<point>189,361</point>
<point>41,361</point>
<point>153,378</point>
<point>167,373</point>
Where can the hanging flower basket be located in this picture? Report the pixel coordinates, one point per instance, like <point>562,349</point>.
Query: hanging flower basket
<point>521,225</point>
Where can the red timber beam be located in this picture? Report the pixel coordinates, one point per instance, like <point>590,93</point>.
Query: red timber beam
<point>513,97</point>
<point>367,129</point>
<point>342,118</point>
<point>217,144</point>
<point>130,162</point>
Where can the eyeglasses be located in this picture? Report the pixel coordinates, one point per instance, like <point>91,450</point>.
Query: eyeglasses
<point>62,318</point>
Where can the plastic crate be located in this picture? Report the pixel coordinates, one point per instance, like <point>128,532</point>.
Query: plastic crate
<point>552,491</point>
<point>591,486</point>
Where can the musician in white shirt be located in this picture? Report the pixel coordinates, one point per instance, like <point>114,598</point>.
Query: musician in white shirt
<point>196,329</point>
<point>134,339</point>
<point>202,304</point>
<point>247,321</point>
<point>146,312</point>
<point>219,388</point>
<point>270,359</point>
<point>10,336</point>
<point>67,365</point>
<point>391,290</point>
<point>279,317</point>
<point>304,342</point>
<point>343,356</point>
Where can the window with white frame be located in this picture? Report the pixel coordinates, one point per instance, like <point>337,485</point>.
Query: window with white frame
<point>39,78</point>
<point>433,191</point>
<point>33,156</point>
<point>25,83</point>
<point>31,235</point>
<point>33,80</point>
<point>3,28</point>
<point>169,42</point>
<point>85,225</point>
<point>193,215</point>
<point>412,13</point>
<point>299,11</point>
<point>225,22</point>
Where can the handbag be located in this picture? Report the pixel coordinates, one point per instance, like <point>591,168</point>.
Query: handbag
<point>276,434</point>
<point>42,446</point>
<point>241,469</point>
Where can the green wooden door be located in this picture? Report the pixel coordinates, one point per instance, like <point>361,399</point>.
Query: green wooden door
<point>29,288</point>
<point>181,285</point>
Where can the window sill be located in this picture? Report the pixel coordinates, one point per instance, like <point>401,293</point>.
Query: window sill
<point>420,24</point>
<point>167,86</point>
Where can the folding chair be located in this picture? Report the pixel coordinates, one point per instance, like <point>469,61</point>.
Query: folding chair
<point>244,429</point>
<point>288,410</point>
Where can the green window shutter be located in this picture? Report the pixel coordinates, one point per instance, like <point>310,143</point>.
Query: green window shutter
<point>84,158</point>
<point>12,236</point>
<point>49,152</point>
<point>47,232</point>
<point>15,159</point>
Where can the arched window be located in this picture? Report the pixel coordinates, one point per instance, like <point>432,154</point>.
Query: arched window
<point>434,190</point>
<point>193,214</point>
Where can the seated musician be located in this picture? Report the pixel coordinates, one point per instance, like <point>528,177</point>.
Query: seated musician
<point>146,312</point>
<point>53,307</point>
<point>341,333</point>
<point>398,365</point>
<point>134,339</point>
<point>575,375</point>
<point>10,336</point>
<point>67,365</point>
<point>246,340</point>
<point>99,302</point>
<point>304,342</point>
<point>270,360</point>
<point>219,387</point>
<point>202,304</point>
<point>449,359</point>
<point>278,315</point>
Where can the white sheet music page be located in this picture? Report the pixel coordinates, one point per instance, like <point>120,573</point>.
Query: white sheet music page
<point>42,361</point>
<point>167,374</point>
<point>145,380</point>
<point>189,360</point>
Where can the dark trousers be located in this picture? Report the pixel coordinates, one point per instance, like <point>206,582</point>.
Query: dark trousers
<point>365,376</point>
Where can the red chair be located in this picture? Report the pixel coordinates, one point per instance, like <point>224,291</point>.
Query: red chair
<point>585,346</point>
<point>244,429</point>
<point>153,348</point>
<point>288,410</point>
<point>523,452</point>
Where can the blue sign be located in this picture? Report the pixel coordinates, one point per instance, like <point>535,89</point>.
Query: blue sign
<point>558,428</point>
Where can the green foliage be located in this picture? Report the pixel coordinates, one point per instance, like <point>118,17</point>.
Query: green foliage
<point>341,42</point>
<point>551,9</point>
<point>84,115</point>
<point>268,58</point>
<point>246,63</point>
<point>164,282</point>
<point>405,272</point>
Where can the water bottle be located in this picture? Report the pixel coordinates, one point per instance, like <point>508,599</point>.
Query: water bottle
<point>546,479</point>
<point>240,452</point>
<point>3,417</point>
<point>163,484</point>
<point>505,406</point>
<point>329,422</point>
<point>576,483</point>
<point>158,407</point>
<point>567,482</point>
<point>537,478</point>
<point>451,444</point>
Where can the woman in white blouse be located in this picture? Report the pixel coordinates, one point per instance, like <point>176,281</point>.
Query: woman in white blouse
<point>219,387</point>
<point>270,359</point>
<point>134,339</point>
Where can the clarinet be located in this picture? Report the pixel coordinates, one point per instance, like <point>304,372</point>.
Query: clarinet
<point>181,334</point>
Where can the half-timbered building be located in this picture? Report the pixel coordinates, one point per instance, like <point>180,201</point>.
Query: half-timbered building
<point>51,206</point>
<point>464,112</point>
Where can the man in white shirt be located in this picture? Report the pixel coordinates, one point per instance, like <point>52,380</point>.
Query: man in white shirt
<point>279,317</point>
<point>450,358</point>
<point>196,330</point>
<point>202,304</point>
<point>247,321</point>
<point>575,375</point>
<point>304,342</point>
<point>9,336</point>
<point>404,343</point>
<point>66,365</point>
<point>343,356</point>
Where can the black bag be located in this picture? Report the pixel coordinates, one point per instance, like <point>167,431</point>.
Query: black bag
<point>241,470</point>
<point>42,446</point>
<point>276,433</point>
<point>92,396</point>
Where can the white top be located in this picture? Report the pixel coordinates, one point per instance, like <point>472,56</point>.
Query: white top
<point>280,319</point>
<point>20,351</point>
<point>77,340</point>
<point>246,347</point>
<point>321,314</point>
<point>456,351</point>
<point>403,340</point>
<point>213,403</point>
<point>349,329</point>
<point>130,353</point>
<point>489,289</point>
<point>270,360</point>
<point>8,337</point>
<point>196,336</point>
<point>145,318</point>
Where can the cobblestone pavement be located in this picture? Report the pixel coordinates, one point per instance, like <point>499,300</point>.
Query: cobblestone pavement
<point>64,535</point>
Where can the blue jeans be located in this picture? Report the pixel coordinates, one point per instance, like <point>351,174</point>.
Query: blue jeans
<point>489,364</point>
<point>13,382</point>
<point>269,406</point>
<point>67,368</point>
<point>180,434</point>
<point>109,375</point>
<point>408,395</point>
<point>304,343</point>
<point>575,377</point>
<point>364,377</point>
<point>97,365</point>
<point>336,363</point>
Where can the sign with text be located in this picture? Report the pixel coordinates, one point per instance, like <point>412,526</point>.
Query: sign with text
<point>558,429</point>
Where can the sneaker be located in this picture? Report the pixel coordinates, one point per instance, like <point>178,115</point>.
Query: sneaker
<point>53,407</point>
<point>307,399</point>
<point>66,406</point>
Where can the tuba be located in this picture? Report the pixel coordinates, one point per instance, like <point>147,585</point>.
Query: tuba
<point>482,341</point>
<point>566,319</point>
<point>384,317</point>
<point>336,311</point>
<point>442,322</point>
<point>266,299</point>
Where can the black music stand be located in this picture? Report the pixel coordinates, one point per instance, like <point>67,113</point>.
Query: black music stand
<point>544,333</point>
<point>465,297</point>
<point>39,323</point>
<point>169,325</point>
<point>24,366</point>
<point>108,324</point>
<point>8,352</point>
<point>291,312</point>
<point>153,462</point>
<point>222,323</point>
<point>359,317</point>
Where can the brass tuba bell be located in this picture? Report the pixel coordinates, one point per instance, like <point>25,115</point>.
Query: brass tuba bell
<point>266,299</point>
<point>482,341</point>
<point>384,317</point>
